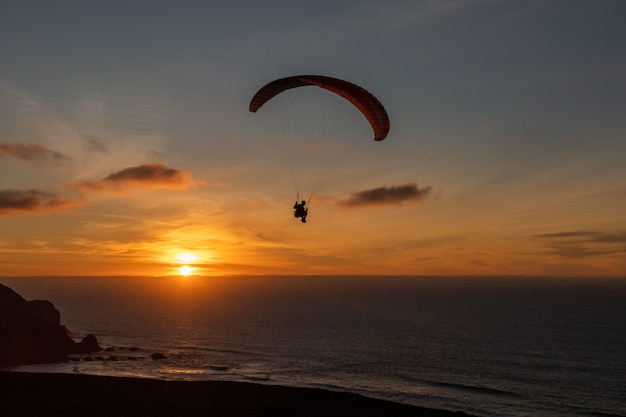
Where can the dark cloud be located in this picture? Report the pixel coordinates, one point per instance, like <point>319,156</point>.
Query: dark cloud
<point>578,244</point>
<point>30,152</point>
<point>586,236</point>
<point>396,194</point>
<point>154,175</point>
<point>95,144</point>
<point>32,201</point>
<point>560,235</point>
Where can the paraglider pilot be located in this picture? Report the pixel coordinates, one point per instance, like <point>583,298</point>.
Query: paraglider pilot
<point>300,211</point>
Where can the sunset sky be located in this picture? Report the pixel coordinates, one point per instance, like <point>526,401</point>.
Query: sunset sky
<point>127,147</point>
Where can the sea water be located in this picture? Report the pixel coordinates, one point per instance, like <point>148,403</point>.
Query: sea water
<point>490,347</point>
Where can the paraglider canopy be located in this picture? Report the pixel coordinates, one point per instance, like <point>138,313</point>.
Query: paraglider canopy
<point>367,104</point>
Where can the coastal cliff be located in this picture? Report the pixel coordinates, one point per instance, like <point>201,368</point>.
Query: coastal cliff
<point>31,332</point>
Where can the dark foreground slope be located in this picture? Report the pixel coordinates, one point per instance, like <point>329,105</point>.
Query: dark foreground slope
<point>29,394</point>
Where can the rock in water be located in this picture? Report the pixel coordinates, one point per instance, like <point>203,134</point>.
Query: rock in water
<point>88,344</point>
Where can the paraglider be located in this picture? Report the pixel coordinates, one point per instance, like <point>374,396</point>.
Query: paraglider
<point>300,211</point>
<point>315,141</point>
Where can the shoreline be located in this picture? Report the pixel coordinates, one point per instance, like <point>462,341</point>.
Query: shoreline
<point>25,394</point>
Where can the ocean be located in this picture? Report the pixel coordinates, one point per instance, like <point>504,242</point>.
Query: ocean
<point>500,346</point>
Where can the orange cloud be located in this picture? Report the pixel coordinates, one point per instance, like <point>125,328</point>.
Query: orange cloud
<point>396,194</point>
<point>153,175</point>
<point>30,152</point>
<point>579,244</point>
<point>32,201</point>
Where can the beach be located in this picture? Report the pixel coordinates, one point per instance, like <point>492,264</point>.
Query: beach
<point>38,394</point>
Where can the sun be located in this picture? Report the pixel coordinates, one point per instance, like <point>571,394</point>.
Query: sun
<point>186,270</point>
<point>186,261</point>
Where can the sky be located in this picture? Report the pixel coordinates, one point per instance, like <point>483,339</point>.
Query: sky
<point>127,146</point>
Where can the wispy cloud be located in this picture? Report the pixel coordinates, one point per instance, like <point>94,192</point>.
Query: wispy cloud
<point>31,152</point>
<point>153,175</point>
<point>33,201</point>
<point>401,14</point>
<point>396,194</point>
<point>95,143</point>
<point>577,244</point>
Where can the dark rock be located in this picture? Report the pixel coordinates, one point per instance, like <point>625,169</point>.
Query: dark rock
<point>99,358</point>
<point>109,349</point>
<point>30,331</point>
<point>88,344</point>
<point>157,355</point>
<point>88,359</point>
<point>46,311</point>
<point>113,358</point>
<point>133,349</point>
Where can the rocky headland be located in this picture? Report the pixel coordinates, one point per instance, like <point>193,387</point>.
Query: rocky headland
<point>31,332</point>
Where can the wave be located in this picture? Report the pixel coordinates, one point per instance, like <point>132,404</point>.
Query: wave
<point>601,414</point>
<point>474,388</point>
<point>215,350</point>
<point>257,378</point>
<point>253,378</point>
<point>461,387</point>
